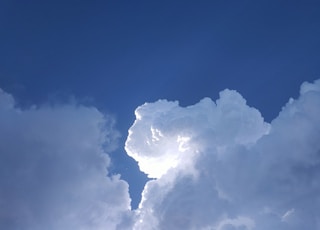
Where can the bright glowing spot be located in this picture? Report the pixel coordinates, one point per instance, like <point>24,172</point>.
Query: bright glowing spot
<point>183,143</point>
<point>156,134</point>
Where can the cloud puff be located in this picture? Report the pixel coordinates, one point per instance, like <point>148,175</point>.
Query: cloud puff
<point>53,169</point>
<point>219,166</point>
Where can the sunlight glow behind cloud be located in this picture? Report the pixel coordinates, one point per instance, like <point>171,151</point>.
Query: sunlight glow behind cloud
<point>218,165</point>
<point>214,166</point>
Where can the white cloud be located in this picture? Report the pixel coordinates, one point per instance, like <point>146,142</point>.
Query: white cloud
<point>215,166</point>
<point>218,165</point>
<point>53,169</point>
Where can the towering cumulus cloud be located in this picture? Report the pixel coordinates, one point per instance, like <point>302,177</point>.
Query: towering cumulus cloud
<point>53,169</point>
<point>219,166</point>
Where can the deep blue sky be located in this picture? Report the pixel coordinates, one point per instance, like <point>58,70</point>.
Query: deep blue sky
<point>117,55</point>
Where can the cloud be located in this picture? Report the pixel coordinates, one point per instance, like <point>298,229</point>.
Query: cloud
<point>213,166</point>
<point>53,169</point>
<point>219,165</point>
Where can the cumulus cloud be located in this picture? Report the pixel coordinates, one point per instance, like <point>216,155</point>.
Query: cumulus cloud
<point>53,169</point>
<point>220,166</point>
<point>215,165</point>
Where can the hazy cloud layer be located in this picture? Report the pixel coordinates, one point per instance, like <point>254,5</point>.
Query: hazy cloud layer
<point>218,165</point>
<point>53,169</point>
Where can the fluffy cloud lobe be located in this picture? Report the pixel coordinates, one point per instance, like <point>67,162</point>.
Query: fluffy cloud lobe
<point>53,169</point>
<point>219,166</point>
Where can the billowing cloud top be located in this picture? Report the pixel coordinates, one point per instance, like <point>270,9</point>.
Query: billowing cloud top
<point>165,135</point>
<point>218,165</point>
<point>214,166</point>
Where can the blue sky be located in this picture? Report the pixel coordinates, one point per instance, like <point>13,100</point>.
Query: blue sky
<point>117,55</point>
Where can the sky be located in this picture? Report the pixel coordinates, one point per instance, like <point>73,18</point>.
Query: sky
<point>159,115</point>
